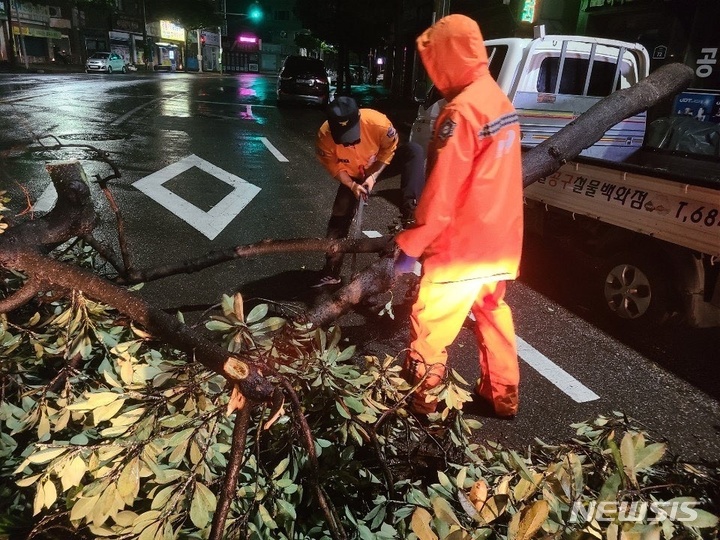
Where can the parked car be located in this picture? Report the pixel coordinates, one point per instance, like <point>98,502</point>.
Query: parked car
<point>105,61</point>
<point>303,80</point>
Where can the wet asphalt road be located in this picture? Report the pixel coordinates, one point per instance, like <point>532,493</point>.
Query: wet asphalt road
<point>246,172</point>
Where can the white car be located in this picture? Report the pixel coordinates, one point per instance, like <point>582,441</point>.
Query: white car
<point>105,61</point>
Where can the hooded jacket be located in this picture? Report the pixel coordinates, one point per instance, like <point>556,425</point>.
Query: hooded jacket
<point>469,219</point>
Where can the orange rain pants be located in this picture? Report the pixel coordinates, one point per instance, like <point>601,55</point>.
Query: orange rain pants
<point>437,317</point>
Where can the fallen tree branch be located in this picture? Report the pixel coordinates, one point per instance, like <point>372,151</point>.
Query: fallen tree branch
<point>375,279</point>
<point>235,460</point>
<point>21,297</point>
<point>74,214</point>
<point>350,245</point>
<point>589,127</point>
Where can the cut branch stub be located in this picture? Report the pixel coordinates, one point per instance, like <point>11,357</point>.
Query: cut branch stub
<point>73,214</point>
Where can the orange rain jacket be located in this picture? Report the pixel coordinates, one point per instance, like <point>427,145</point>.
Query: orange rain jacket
<point>469,220</point>
<point>378,142</point>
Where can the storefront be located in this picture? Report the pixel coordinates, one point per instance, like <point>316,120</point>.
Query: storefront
<point>168,51</point>
<point>210,47</point>
<point>3,32</point>
<point>33,39</point>
<point>121,44</point>
<point>35,42</point>
<point>126,39</point>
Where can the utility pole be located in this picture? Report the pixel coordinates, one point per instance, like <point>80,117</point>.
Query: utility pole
<point>11,38</point>
<point>146,45</point>
<point>199,52</point>
<point>22,38</point>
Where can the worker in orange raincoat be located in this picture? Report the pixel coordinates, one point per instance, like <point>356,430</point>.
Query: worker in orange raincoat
<point>469,220</point>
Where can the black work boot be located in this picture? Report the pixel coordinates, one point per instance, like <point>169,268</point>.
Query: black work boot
<point>408,213</point>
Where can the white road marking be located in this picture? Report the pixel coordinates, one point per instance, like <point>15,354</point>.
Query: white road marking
<point>372,234</point>
<point>209,223</point>
<point>235,104</point>
<point>121,120</point>
<point>274,151</point>
<point>554,373</point>
<point>46,200</point>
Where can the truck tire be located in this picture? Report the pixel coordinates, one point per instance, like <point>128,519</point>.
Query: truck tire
<point>636,290</point>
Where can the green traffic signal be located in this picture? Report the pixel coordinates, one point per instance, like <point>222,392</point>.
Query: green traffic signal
<point>255,13</point>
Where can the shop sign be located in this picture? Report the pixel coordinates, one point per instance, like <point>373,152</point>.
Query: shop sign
<point>211,38</point>
<point>701,106</point>
<point>36,32</point>
<point>169,30</point>
<point>128,24</point>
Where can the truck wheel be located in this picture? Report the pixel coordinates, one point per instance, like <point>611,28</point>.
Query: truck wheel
<point>636,290</point>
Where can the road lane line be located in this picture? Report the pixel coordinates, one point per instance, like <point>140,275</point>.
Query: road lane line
<point>554,373</point>
<point>274,151</point>
<point>124,117</point>
<point>256,105</point>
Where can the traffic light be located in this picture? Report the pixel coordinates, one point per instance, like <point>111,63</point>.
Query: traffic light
<point>202,39</point>
<point>255,12</point>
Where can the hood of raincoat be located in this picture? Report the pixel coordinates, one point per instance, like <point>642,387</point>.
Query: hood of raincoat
<point>453,53</point>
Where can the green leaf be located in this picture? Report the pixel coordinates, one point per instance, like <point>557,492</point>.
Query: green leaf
<point>82,507</point>
<point>73,473</point>
<point>648,456</point>
<point>281,467</point>
<point>144,520</point>
<point>49,493</point>
<point>218,326</point>
<point>703,520</point>
<point>520,466</point>
<point>209,499</point>
<point>47,454</point>
<point>93,401</point>
<point>257,313</point>
<point>445,481</point>
<point>29,481</point>
<point>199,510</point>
<point>354,404</point>
<point>444,511</point>
<point>266,517</point>
<point>106,412</point>
<point>342,410</point>
<point>128,485</point>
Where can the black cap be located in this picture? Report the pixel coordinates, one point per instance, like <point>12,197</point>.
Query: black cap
<point>344,120</point>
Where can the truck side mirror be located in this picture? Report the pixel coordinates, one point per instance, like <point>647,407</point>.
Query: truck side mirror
<point>420,91</point>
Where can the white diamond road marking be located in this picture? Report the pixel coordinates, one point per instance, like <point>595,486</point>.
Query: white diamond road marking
<point>209,223</point>
<point>48,197</point>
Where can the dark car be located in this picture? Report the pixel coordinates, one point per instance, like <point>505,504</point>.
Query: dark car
<point>303,80</point>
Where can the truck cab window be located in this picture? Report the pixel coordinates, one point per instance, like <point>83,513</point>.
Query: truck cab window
<point>573,76</point>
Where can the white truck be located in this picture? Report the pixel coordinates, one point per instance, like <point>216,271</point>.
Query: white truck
<point>650,221</point>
